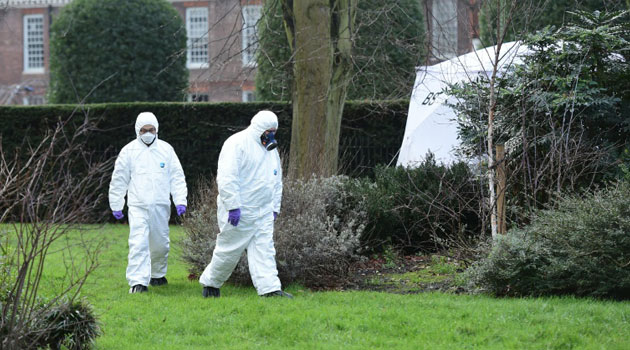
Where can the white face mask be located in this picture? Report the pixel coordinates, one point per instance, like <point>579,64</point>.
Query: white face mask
<point>147,138</point>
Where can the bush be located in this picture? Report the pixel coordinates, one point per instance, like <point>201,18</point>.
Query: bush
<point>316,234</point>
<point>430,207</point>
<point>69,325</point>
<point>581,248</point>
<point>117,51</point>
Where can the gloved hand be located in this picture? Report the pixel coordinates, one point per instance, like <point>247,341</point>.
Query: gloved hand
<point>181,209</point>
<point>118,214</point>
<point>275,215</point>
<point>234,216</point>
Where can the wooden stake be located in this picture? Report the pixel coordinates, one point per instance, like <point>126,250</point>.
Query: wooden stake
<point>501,183</point>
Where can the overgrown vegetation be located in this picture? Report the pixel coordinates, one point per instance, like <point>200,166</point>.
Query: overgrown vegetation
<point>580,248</point>
<point>316,235</point>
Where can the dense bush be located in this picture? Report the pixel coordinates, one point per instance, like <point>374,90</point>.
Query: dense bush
<point>316,234</point>
<point>581,248</point>
<point>433,206</point>
<point>70,325</point>
<point>117,51</point>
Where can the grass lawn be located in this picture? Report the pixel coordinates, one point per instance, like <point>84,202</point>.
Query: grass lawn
<point>176,316</point>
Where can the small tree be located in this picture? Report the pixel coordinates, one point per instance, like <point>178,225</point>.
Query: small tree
<point>117,51</point>
<point>563,114</point>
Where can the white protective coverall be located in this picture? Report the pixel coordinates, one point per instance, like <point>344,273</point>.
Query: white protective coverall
<point>148,176</point>
<point>250,178</point>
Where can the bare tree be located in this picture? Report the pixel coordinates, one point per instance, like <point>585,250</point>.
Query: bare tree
<point>46,191</point>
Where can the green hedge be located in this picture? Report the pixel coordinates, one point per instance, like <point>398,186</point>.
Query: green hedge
<point>371,131</point>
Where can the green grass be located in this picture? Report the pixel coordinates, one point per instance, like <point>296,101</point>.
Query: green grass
<point>177,317</point>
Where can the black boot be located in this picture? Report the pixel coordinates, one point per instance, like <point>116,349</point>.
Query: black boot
<point>138,288</point>
<point>278,293</point>
<point>211,292</point>
<point>158,281</point>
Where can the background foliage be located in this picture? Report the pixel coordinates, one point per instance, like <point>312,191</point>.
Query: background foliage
<point>541,13</point>
<point>388,45</point>
<point>117,51</point>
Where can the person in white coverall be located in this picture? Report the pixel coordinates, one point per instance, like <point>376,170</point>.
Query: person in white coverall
<point>148,171</point>
<point>249,179</point>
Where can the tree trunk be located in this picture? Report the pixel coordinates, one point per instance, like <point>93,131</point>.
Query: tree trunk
<point>319,32</point>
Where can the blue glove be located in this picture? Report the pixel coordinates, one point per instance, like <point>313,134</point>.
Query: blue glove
<point>234,216</point>
<point>118,214</point>
<point>181,209</point>
<point>275,215</point>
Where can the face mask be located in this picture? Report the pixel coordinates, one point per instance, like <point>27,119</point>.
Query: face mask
<point>268,141</point>
<point>147,138</point>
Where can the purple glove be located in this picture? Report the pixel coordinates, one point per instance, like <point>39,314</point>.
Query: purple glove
<point>234,216</point>
<point>181,209</point>
<point>275,216</point>
<point>118,214</point>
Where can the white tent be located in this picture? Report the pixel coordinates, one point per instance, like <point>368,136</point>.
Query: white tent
<point>431,124</point>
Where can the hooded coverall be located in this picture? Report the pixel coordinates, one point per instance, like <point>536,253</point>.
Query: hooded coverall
<point>250,178</point>
<point>148,175</point>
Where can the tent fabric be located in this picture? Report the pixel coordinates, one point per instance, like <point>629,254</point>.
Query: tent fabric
<point>431,123</point>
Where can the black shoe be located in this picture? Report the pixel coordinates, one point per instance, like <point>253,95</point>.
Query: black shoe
<point>138,288</point>
<point>158,281</point>
<point>211,292</point>
<point>278,293</point>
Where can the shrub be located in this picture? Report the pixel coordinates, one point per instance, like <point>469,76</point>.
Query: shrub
<point>581,248</point>
<point>316,234</point>
<point>433,206</point>
<point>117,51</point>
<point>69,325</point>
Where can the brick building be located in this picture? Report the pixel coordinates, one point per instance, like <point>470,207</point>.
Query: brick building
<point>220,50</point>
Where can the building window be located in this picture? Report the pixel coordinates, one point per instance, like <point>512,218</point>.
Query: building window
<point>444,29</point>
<point>248,96</point>
<point>34,44</point>
<point>197,31</point>
<point>251,16</point>
<point>198,98</point>
<point>33,100</point>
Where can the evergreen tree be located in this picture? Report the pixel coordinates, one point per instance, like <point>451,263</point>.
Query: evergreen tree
<point>117,51</point>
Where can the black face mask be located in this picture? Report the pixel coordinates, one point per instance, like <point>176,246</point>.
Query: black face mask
<point>268,141</point>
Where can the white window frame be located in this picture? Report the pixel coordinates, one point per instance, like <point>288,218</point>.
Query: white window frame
<point>247,94</point>
<point>249,36</point>
<point>33,44</point>
<point>197,50</point>
<point>444,29</point>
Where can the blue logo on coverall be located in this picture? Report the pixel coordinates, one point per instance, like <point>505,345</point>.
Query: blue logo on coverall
<point>162,165</point>
<point>275,171</point>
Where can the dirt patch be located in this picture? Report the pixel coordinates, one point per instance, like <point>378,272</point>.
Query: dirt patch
<point>407,274</point>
